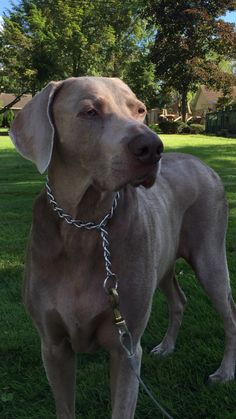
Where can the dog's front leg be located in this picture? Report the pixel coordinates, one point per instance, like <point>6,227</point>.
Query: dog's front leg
<point>60,365</point>
<point>124,383</point>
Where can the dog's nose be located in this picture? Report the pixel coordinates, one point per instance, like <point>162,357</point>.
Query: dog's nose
<point>146,147</point>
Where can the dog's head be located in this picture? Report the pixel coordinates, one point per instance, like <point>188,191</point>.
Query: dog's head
<point>90,123</point>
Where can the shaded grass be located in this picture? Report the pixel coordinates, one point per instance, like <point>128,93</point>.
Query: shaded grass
<point>178,381</point>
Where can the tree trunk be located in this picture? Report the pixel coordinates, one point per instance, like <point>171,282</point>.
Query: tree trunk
<point>184,104</point>
<point>74,68</point>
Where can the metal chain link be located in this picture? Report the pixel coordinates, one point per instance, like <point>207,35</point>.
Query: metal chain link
<point>91,226</point>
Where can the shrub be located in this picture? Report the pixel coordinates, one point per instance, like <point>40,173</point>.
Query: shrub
<point>8,118</point>
<point>1,119</point>
<point>155,128</point>
<point>168,127</point>
<point>184,128</point>
<point>197,128</point>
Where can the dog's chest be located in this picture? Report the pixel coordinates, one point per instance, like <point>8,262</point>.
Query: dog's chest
<point>80,310</point>
<point>67,289</point>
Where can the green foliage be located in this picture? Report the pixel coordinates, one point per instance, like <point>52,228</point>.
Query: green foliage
<point>225,100</point>
<point>45,40</point>
<point>155,128</point>
<point>188,39</point>
<point>8,118</point>
<point>197,128</point>
<point>140,76</point>
<point>1,119</point>
<point>184,128</point>
<point>168,127</point>
<point>178,127</point>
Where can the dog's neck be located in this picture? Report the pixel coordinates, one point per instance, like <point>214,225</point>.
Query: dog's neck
<point>77,195</point>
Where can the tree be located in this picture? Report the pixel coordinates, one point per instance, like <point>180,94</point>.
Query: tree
<point>54,39</point>
<point>140,76</point>
<point>188,33</point>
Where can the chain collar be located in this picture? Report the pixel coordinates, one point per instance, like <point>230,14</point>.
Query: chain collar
<point>111,280</point>
<point>110,283</point>
<point>79,223</point>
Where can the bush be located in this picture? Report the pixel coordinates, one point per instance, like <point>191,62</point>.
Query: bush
<point>8,118</point>
<point>197,128</point>
<point>155,128</point>
<point>180,127</point>
<point>1,119</point>
<point>184,128</point>
<point>168,127</point>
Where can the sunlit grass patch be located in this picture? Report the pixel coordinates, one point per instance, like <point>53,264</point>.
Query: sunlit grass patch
<point>179,380</point>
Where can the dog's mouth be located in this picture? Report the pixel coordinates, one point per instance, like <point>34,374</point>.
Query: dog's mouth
<point>138,175</point>
<point>147,179</point>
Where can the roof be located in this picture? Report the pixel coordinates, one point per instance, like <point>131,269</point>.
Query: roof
<point>6,98</point>
<point>211,96</point>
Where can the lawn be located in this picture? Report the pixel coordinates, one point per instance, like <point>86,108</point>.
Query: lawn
<point>179,380</point>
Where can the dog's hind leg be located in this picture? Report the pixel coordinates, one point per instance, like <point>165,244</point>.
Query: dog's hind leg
<point>203,246</point>
<point>60,362</point>
<point>210,265</point>
<point>176,302</point>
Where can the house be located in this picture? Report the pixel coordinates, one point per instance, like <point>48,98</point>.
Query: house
<point>6,98</point>
<point>205,100</point>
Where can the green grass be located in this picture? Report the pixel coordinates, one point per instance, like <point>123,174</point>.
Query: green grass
<point>178,381</point>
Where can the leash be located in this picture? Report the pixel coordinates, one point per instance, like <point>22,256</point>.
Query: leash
<point>110,284</point>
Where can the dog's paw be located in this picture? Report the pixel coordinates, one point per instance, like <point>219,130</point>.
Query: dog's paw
<point>163,349</point>
<point>220,376</point>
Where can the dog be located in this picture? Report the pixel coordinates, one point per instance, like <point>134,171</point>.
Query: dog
<point>89,134</point>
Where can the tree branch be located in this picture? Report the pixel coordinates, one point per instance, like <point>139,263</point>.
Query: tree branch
<point>13,102</point>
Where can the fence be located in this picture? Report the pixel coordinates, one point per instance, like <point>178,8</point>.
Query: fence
<point>222,122</point>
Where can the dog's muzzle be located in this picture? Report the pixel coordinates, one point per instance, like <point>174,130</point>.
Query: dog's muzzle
<point>146,147</point>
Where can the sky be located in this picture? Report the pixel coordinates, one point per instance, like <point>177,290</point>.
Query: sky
<point>6,4</point>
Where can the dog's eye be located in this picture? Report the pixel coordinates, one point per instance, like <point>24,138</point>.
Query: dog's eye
<point>91,112</point>
<point>141,110</point>
<point>88,113</point>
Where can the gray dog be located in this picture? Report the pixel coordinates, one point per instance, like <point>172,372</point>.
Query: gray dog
<point>89,134</point>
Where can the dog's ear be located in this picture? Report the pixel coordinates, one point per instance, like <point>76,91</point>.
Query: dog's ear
<point>32,131</point>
